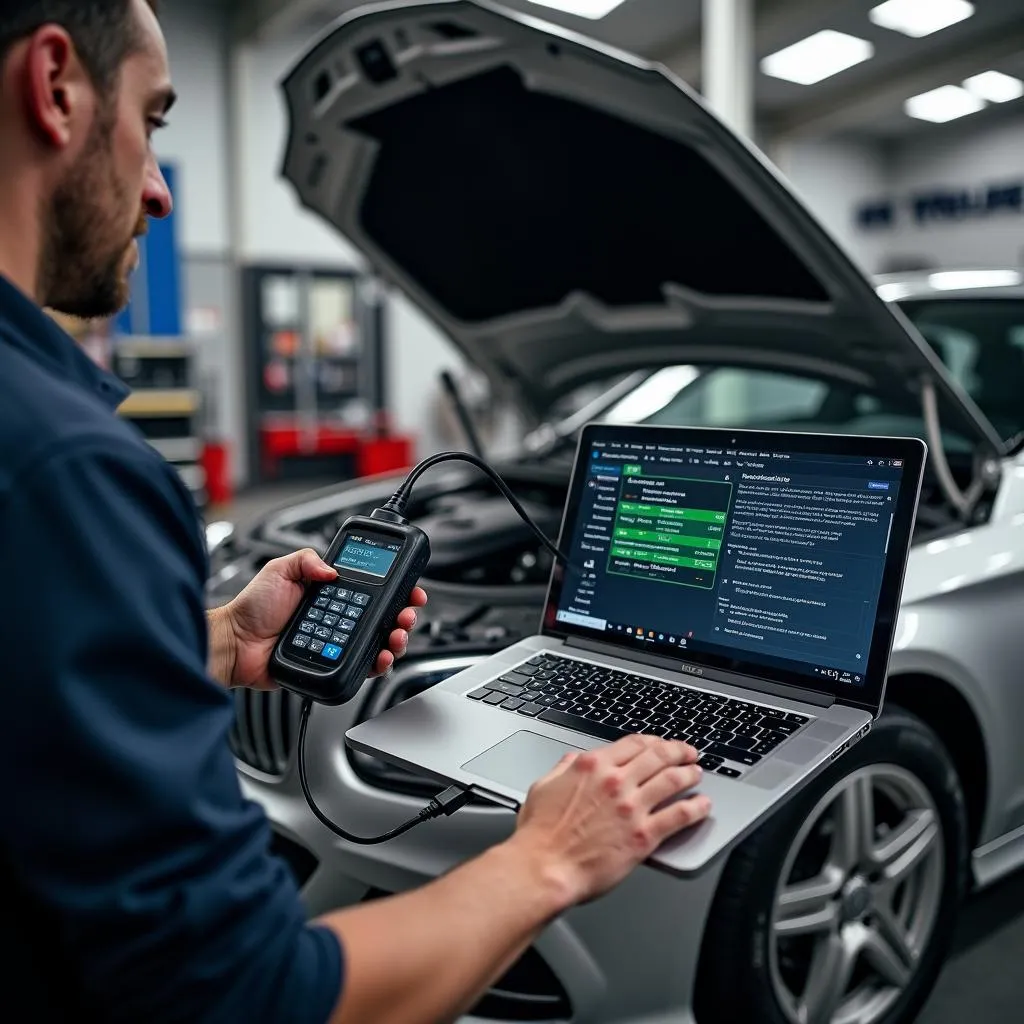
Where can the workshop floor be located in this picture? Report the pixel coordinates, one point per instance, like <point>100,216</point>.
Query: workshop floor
<point>982,980</point>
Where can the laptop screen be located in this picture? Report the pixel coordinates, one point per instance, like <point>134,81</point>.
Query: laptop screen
<point>774,555</point>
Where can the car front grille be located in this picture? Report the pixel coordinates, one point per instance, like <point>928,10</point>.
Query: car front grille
<point>266,724</point>
<point>265,729</point>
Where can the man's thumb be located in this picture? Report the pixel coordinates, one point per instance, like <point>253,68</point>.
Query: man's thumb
<point>308,565</point>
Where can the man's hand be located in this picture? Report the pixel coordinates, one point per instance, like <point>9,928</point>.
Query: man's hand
<point>243,633</point>
<point>599,814</point>
<point>582,829</point>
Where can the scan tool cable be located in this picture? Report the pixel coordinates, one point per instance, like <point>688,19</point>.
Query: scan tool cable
<point>399,501</point>
<point>451,800</point>
<point>394,510</point>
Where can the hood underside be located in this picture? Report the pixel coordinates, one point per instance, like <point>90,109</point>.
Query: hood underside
<point>566,213</point>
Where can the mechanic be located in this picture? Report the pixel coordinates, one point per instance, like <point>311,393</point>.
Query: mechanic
<point>138,881</point>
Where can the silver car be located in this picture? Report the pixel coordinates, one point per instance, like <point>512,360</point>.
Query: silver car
<point>600,246</point>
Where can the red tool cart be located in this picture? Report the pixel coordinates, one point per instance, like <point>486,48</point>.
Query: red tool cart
<point>317,394</point>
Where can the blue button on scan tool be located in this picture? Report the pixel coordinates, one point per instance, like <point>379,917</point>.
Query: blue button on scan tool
<point>332,651</point>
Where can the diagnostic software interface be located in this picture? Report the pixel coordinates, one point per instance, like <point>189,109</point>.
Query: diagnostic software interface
<point>775,557</point>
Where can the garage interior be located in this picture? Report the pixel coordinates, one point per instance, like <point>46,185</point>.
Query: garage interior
<point>280,365</point>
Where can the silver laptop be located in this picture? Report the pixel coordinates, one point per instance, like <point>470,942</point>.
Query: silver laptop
<point>736,589</point>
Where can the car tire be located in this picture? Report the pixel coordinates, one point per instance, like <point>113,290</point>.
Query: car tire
<point>770,947</point>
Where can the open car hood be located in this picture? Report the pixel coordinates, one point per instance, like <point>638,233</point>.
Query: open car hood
<point>566,213</point>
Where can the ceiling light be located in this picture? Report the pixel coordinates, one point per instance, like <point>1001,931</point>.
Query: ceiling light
<point>920,17</point>
<point>594,9</point>
<point>943,104</point>
<point>995,87</point>
<point>816,57</point>
<point>952,280</point>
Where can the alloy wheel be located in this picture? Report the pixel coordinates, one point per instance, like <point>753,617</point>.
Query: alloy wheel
<point>857,899</point>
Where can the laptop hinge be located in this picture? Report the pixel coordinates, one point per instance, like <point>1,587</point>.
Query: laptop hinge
<point>821,700</point>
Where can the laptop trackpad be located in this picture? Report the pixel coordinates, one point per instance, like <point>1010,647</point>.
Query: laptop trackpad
<point>519,760</point>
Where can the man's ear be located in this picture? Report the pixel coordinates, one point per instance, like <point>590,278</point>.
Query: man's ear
<point>59,95</point>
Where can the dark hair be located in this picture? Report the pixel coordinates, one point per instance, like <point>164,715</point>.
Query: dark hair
<point>103,31</point>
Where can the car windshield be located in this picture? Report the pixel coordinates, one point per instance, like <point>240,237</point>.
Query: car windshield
<point>758,399</point>
<point>980,342</point>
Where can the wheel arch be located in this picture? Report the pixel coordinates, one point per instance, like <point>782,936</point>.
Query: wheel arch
<point>942,707</point>
<point>729,985</point>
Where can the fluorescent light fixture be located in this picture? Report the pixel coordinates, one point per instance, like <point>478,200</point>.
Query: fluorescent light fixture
<point>943,104</point>
<point>995,87</point>
<point>893,291</point>
<point>594,9</point>
<point>819,56</point>
<point>952,280</point>
<point>920,17</point>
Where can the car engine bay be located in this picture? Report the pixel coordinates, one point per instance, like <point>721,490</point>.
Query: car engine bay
<point>486,582</point>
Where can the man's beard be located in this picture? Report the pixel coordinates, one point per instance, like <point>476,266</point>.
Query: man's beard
<point>84,269</point>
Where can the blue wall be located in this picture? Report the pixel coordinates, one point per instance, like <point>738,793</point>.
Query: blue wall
<point>155,307</point>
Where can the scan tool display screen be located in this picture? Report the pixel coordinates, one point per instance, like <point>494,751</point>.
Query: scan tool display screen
<point>372,554</point>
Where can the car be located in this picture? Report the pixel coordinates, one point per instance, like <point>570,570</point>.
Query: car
<point>601,247</point>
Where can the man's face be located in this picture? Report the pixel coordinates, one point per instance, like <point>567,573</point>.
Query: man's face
<point>108,191</point>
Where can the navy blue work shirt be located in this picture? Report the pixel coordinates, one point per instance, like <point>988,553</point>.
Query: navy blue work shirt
<point>135,880</point>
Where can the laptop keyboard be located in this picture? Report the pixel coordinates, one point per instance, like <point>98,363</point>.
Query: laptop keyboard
<point>606,703</point>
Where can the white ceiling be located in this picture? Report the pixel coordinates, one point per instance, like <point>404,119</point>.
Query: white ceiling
<point>865,100</point>
<point>868,98</point>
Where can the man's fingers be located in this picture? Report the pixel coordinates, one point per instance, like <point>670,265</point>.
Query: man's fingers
<point>679,815</point>
<point>623,751</point>
<point>307,565</point>
<point>398,642</point>
<point>407,617</point>
<point>654,759</point>
<point>631,748</point>
<point>564,763</point>
<point>670,782</point>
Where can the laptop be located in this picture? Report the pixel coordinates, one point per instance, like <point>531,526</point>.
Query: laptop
<point>735,589</point>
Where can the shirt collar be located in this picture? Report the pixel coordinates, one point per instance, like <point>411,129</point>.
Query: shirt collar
<point>27,328</point>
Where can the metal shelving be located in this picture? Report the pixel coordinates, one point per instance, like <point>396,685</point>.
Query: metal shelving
<point>165,404</point>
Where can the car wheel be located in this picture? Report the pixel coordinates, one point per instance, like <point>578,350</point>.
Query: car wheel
<point>840,909</point>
